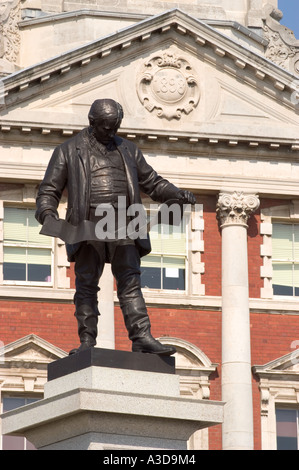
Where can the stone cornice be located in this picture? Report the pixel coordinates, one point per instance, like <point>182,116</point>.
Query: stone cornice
<point>197,143</point>
<point>214,303</point>
<point>206,39</point>
<point>37,293</point>
<point>51,18</point>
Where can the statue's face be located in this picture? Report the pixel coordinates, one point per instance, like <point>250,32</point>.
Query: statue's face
<point>105,130</point>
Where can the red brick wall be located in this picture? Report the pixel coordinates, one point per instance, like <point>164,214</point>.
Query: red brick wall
<point>212,251</point>
<point>212,247</point>
<point>255,261</point>
<point>53,322</point>
<point>71,275</point>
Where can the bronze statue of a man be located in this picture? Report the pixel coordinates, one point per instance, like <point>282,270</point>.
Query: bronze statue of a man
<point>97,167</point>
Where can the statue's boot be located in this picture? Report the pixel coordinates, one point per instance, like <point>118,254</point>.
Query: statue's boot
<point>139,329</point>
<point>87,327</point>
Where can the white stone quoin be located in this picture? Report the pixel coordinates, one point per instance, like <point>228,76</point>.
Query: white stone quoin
<point>233,211</point>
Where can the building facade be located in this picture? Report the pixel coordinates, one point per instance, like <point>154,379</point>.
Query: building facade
<point>210,95</point>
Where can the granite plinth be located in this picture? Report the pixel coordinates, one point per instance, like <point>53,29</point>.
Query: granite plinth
<point>99,357</point>
<point>96,407</point>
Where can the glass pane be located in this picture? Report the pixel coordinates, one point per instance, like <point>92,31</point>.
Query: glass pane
<point>168,239</point>
<point>151,261</point>
<point>11,403</point>
<point>16,442</point>
<point>282,279</point>
<point>14,255</point>
<point>174,279</point>
<point>150,277</point>
<point>173,262</point>
<point>296,275</point>
<point>282,242</point>
<point>173,273</point>
<point>39,273</point>
<point>165,240</point>
<point>173,240</point>
<point>15,225</point>
<point>33,231</point>
<point>13,443</point>
<point>39,256</point>
<point>296,242</point>
<point>20,226</point>
<point>37,262</point>
<point>155,236</point>
<point>286,429</point>
<point>14,272</point>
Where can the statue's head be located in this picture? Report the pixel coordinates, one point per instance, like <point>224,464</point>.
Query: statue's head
<point>105,116</point>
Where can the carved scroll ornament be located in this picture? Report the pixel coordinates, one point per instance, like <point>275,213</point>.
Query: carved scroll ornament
<point>236,208</point>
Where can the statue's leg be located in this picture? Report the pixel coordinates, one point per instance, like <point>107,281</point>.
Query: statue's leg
<point>126,269</point>
<point>89,265</point>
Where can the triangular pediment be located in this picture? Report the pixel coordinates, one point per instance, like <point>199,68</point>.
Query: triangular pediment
<point>287,364</point>
<point>173,74</point>
<point>30,350</point>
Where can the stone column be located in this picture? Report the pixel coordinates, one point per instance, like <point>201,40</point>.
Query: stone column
<point>106,336</point>
<point>233,211</point>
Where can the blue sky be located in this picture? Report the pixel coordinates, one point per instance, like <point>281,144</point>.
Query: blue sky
<point>290,9</point>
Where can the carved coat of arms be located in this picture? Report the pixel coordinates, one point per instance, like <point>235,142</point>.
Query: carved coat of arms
<point>168,86</point>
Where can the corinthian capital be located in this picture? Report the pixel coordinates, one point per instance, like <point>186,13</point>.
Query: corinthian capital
<point>236,208</point>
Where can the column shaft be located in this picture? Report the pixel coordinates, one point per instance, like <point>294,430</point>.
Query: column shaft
<point>106,334</point>
<point>233,211</point>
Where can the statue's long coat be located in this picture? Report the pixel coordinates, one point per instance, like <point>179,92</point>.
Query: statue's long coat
<point>69,168</point>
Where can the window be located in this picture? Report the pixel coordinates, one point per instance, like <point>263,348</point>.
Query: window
<point>285,259</point>
<point>16,442</point>
<point>165,266</point>
<point>287,429</point>
<point>27,256</point>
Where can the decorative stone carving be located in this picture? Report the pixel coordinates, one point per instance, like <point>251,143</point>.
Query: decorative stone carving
<point>9,31</point>
<point>278,51</point>
<point>167,83</point>
<point>283,47</point>
<point>236,208</point>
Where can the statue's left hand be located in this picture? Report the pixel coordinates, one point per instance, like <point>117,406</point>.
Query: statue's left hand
<point>187,197</point>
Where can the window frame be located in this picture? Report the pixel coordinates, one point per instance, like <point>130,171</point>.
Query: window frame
<point>278,385</point>
<point>8,282</point>
<point>279,406</point>
<point>186,256</point>
<point>292,262</point>
<point>280,213</point>
<point>27,445</point>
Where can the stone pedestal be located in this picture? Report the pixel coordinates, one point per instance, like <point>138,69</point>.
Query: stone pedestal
<point>103,400</point>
